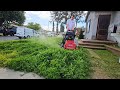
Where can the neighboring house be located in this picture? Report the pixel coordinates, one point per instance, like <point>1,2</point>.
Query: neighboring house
<point>103,25</point>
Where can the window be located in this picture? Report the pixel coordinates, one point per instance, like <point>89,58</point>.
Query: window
<point>88,26</point>
<point>115,28</point>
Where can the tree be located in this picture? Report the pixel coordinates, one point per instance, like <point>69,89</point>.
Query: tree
<point>61,27</point>
<point>53,27</point>
<point>34,26</point>
<point>56,15</point>
<point>60,15</point>
<point>10,16</point>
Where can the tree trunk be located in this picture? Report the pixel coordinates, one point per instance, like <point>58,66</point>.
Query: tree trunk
<point>57,28</point>
<point>61,28</point>
<point>53,26</point>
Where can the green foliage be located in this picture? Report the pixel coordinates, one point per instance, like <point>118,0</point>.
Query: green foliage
<point>81,36</point>
<point>46,58</point>
<point>59,15</point>
<point>34,26</point>
<point>18,16</point>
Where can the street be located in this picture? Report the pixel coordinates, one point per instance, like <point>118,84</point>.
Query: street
<point>3,38</point>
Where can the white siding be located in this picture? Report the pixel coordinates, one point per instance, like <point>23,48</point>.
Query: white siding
<point>94,29</point>
<point>115,20</point>
<point>88,35</point>
<point>115,17</point>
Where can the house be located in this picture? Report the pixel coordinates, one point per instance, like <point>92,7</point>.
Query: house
<point>103,25</point>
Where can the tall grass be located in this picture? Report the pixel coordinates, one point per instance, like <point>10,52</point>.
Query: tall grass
<point>51,42</point>
<point>45,57</point>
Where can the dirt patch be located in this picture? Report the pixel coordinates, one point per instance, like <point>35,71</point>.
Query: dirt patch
<point>99,74</point>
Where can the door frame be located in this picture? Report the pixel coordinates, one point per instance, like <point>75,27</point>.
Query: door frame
<point>102,37</point>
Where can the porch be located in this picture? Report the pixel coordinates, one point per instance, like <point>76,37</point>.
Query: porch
<point>100,44</point>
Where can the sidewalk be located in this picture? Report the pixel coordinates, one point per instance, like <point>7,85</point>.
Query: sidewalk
<point>11,74</point>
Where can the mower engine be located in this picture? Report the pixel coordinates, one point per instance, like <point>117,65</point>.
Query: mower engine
<point>69,43</point>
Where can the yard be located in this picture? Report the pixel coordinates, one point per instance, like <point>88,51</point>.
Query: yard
<point>44,57</point>
<point>105,64</point>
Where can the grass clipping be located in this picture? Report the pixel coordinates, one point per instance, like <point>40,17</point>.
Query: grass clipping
<point>45,57</point>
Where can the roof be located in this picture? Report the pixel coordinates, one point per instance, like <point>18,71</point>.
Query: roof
<point>87,15</point>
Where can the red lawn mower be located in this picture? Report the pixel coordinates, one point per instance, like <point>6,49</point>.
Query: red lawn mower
<point>68,41</point>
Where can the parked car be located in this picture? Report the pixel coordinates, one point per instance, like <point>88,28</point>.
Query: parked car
<point>12,31</point>
<point>23,32</point>
<point>51,34</point>
<point>8,31</point>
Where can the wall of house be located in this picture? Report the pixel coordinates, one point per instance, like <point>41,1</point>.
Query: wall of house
<point>94,21</point>
<point>88,35</point>
<point>94,30</point>
<point>110,29</point>
<point>115,20</point>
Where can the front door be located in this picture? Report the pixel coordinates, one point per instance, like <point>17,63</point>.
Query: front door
<point>102,27</point>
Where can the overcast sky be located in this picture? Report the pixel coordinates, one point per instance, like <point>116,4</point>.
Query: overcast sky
<point>42,17</point>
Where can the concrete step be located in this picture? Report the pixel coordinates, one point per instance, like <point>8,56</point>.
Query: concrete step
<point>94,47</point>
<point>98,41</point>
<point>90,44</point>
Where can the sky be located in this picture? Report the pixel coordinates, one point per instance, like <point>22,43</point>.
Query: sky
<point>42,18</point>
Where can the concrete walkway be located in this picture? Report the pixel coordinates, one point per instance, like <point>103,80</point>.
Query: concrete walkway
<point>11,74</point>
